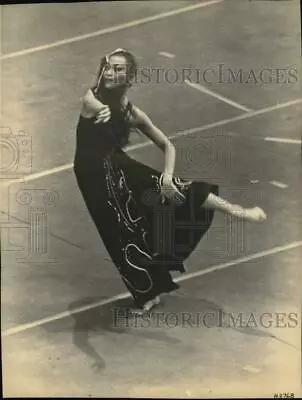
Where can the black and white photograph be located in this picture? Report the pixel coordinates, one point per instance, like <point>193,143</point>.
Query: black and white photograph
<point>151,199</point>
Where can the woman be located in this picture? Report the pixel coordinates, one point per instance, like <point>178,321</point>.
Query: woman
<point>144,217</point>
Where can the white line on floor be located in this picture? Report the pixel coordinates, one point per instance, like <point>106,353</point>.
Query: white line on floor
<point>166,54</point>
<point>279,184</point>
<point>174,136</point>
<point>214,268</point>
<point>205,90</point>
<point>111,29</point>
<point>263,253</point>
<point>282,140</point>
<point>38,175</point>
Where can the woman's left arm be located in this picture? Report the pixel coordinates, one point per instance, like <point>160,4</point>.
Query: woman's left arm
<point>146,126</point>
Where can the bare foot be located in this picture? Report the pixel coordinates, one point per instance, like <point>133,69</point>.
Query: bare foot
<point>255,214</point>
<point>147,306</point>
<point>151,303</point>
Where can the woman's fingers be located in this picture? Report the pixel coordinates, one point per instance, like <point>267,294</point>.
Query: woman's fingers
<point>103,115</point>
<point>105,110</point>
<point>173,193</point>
<point>106,119</point>
<point>179,197</point>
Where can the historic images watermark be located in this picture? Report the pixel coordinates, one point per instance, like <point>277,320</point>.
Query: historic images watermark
<point>16,153</point>
<point>125,318</point>
<point>24,209</point>
<point>25,233</point>
<point>216,74</point>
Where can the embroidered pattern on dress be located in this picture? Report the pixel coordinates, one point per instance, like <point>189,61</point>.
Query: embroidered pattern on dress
<point>116,181</point>
<point>139,253</point>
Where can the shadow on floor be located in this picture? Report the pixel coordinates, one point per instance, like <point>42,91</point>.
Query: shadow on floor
<point>177,310</point>
<point>114,318</point>
<point>117,318</point>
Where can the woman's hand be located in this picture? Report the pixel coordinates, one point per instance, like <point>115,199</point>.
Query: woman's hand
<point>103,115</point>
<point>92,107</point>
<point>170,191</point>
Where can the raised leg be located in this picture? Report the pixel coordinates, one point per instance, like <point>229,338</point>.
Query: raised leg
<point>218,203</point>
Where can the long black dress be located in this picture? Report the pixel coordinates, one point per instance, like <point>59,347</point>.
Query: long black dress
<point>146,236</point>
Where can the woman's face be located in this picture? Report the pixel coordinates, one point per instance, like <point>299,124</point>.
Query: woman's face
<point>116,72</point>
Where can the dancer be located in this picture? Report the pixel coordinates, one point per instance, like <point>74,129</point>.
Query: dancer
<point>144,217</point>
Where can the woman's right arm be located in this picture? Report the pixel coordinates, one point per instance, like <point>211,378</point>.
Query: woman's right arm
<point>92,107</point>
